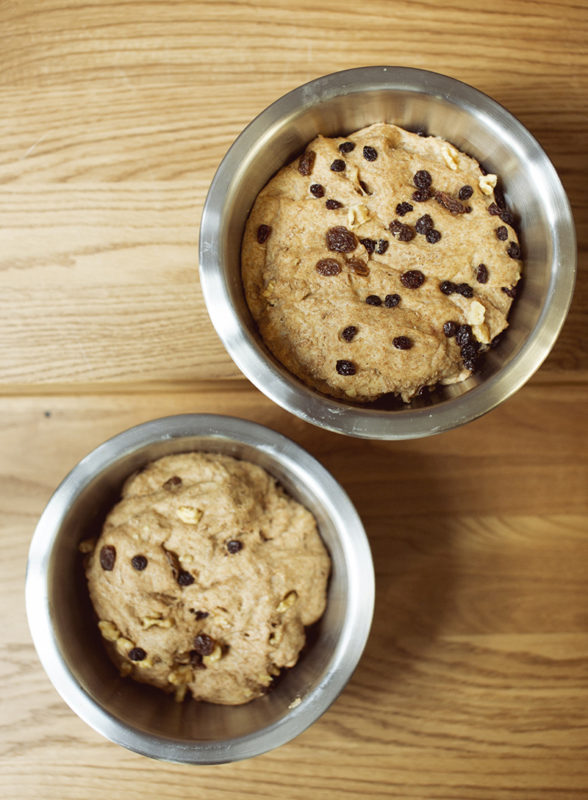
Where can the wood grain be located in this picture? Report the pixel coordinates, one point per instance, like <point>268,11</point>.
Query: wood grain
<point>113,118</point>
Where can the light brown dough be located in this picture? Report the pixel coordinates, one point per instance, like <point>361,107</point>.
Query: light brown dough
<point>179,514</point>
<point>301,313</point>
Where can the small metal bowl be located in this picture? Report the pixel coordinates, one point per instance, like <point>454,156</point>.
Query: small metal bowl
<point>143,718</point>
<point>339,104</point>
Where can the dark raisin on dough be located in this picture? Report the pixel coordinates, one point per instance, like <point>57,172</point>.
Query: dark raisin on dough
<point>349,333</point>
<point>107,557</point>
<point>332,204</point>
<point>412,279</point>
<point>172,483</point>
<point>358,266</point>
<point>370,153</point>
<point>196,660</point>
<point>482,273</point>
<point>447,287</point>
<point>365,188</point>
<point>234,545</point>
<point>338,165</point>
<point>465,192</point>
<point>345,367</point>
<point>464,289</point>
<point>401,231</point>
<point>513,250</point>
<point>328,267</point>
<point>263,233</point>
<point>185,578</point>
<point>449,328</point>
<point>306,162</point>
<point>453,205</point>
<point>369,244</point>
<point>499,197</point>
<point>424,224</point>
<point>421,195</point>
<point>373,300</point>
<point>422,179</point>
<point>137,654</point>
<point>341,240</point>
<point>433,236</point>
<point>469,351</point>
<point>402,343</point>
<point>346,147</point>
<point>201,614</point>
<point>506,216</point>
<point>382,246</point>
<point>204,644</point>
<point>493,210</point>
<point>501,233</point>
<point>403,208</point>
<point>392,300</point>
<point>464,335</point>
<point>139,563</point>
<point>317,190</point>
<point>510,291</point>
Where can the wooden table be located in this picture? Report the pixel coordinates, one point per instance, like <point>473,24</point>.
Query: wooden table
<point>113,118</point>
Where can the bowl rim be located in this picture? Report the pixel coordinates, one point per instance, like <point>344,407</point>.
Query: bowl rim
<point>299,464</point>
<point>289,392</point>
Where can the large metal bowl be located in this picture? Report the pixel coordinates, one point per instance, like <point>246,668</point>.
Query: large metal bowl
<point>145,719</point>
<point>337,105</point>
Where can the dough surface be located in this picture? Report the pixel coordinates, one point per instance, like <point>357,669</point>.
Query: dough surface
<point>307,288</point>
<point>205,576</point>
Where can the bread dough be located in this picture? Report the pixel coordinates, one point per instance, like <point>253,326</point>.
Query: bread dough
<point>205,576</point>
<point>310,301</point>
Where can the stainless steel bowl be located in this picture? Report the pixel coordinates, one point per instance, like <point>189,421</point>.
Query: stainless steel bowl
<point>337,105</point>
<point>145,719</point>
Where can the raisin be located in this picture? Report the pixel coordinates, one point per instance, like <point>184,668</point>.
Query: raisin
<point>201,614</point>
<point>433,236</point>
<point>317,190</point>
<point>373,300</point>
<point>358,266</point>
<point>469,351</point>
<point>499,197</point>
<point>349,333</point>
<point>172,483</point>
<point>493,210</point>
<point>234,545</point>
<point>306,163</point>
<point>382,246</point>
<point>346,147</point>
<point>423,224</point>
<point>196,660</point>
<point>447,287</point>
<point>513,250</point>
<point>506,216</point>
<point>185,578</point>
<point>464,335</point>
<point>345,367</point>
<point>331,204</point>
<point>328,267</point>
<point>369,244</point>
<point>137,654</point>
<point>501,233</point>
<point>392,300</point>
<point>450,328</point>
<point>341,240</point>
<point>465,192</point>
<point>421,195</point>
<point>139,563</point>
<point>402,232</point>
<point>471,364</point>
<point>263,232</point>
<point>509,291</point>
<point>403,208</point>
<point>422,179</point>
<point>107,557</point>
<point>204,644</point>
<point>402,343</point>
<point>370,153</point>
<point>338,165</point>
<point>365,187</point>
<point>482,273</point>
<point>412,279</point>
<point>464,289</point>
<point>450,203</point>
